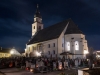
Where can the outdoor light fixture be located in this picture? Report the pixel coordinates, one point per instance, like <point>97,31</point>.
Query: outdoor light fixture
<point>11,52</point>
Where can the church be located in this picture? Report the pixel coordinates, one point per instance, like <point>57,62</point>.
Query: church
<point>62,37</point>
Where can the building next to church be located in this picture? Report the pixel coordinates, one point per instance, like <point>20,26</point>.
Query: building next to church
<point>8,52</point>
<point>64,36</point>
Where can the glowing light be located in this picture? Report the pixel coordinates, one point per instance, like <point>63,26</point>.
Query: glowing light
<point>86,52</point>
<point>37,66</point>
<point>27,68</point>
<point>98,55</point>
<point>11,52</point>
<point>31,70</point>
<point>38,54</point>
<point>60,67</point>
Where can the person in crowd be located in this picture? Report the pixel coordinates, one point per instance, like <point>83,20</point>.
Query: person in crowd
<point>68,63</point>
<point>76,63</point>
<point>41,65</point>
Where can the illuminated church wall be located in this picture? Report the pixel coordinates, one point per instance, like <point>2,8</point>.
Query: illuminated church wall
<point>76,43</point>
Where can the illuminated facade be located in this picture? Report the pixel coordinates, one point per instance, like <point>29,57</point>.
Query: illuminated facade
<point>7,52</point>
<point>64,36</point>
<point>76,45</point>
<point>68,46</point>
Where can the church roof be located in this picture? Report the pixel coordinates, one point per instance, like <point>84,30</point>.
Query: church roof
<point>37,13</point>
<point>54,31</point>
<point>73,28</point>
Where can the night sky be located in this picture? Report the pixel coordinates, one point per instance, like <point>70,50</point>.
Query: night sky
<point>16,18</point>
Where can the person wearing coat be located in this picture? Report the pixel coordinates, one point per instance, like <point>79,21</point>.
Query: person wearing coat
<point>76,63</point>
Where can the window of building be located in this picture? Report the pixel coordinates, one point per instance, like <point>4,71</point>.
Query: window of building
<point>39,27</point>
<point>48,45</point>
<point>53,51</point>
<point>49,52</point>
<point>53,44</point>
<point>76,45</point>
<point>39,47</point>
<point>34,27</point>
<point>33,48</point>
<point>62,45</point>
<point>68,46</point>
<point>6,54</point>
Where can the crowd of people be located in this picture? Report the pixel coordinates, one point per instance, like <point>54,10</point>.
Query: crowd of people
<point>44,64</point>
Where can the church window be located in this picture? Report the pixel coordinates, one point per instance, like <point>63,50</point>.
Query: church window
<point>53,51</point>
<point>39,27</point>
<point>76,45</point>
<point>68,46</point>
<point>53,44</point>
<point>49,52</point>
<point>48,45</point>
<point>34,27</point>
<point>33,47</point>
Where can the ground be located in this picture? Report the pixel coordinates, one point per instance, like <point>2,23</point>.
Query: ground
<point>15,71</point>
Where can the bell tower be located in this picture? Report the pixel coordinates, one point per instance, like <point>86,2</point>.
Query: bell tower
<point>37,25</point>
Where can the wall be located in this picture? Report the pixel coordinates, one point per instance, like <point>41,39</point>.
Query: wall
<point>4,55</point>
<point>82,44</point>
<point>44,48</point>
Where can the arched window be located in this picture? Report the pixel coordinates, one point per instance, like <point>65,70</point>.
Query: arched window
<point>76,45</point>
<point>34,27</point>
<point>68,46</point>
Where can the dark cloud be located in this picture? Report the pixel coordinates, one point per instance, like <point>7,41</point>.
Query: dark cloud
<point>16,18</point>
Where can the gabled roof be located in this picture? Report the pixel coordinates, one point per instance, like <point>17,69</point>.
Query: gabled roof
<point>54,31</point>
<point>5,50</point>
<point>49,33</point>
<point>73,28</point>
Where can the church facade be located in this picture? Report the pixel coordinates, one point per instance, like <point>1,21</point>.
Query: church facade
<point>62,37</point>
